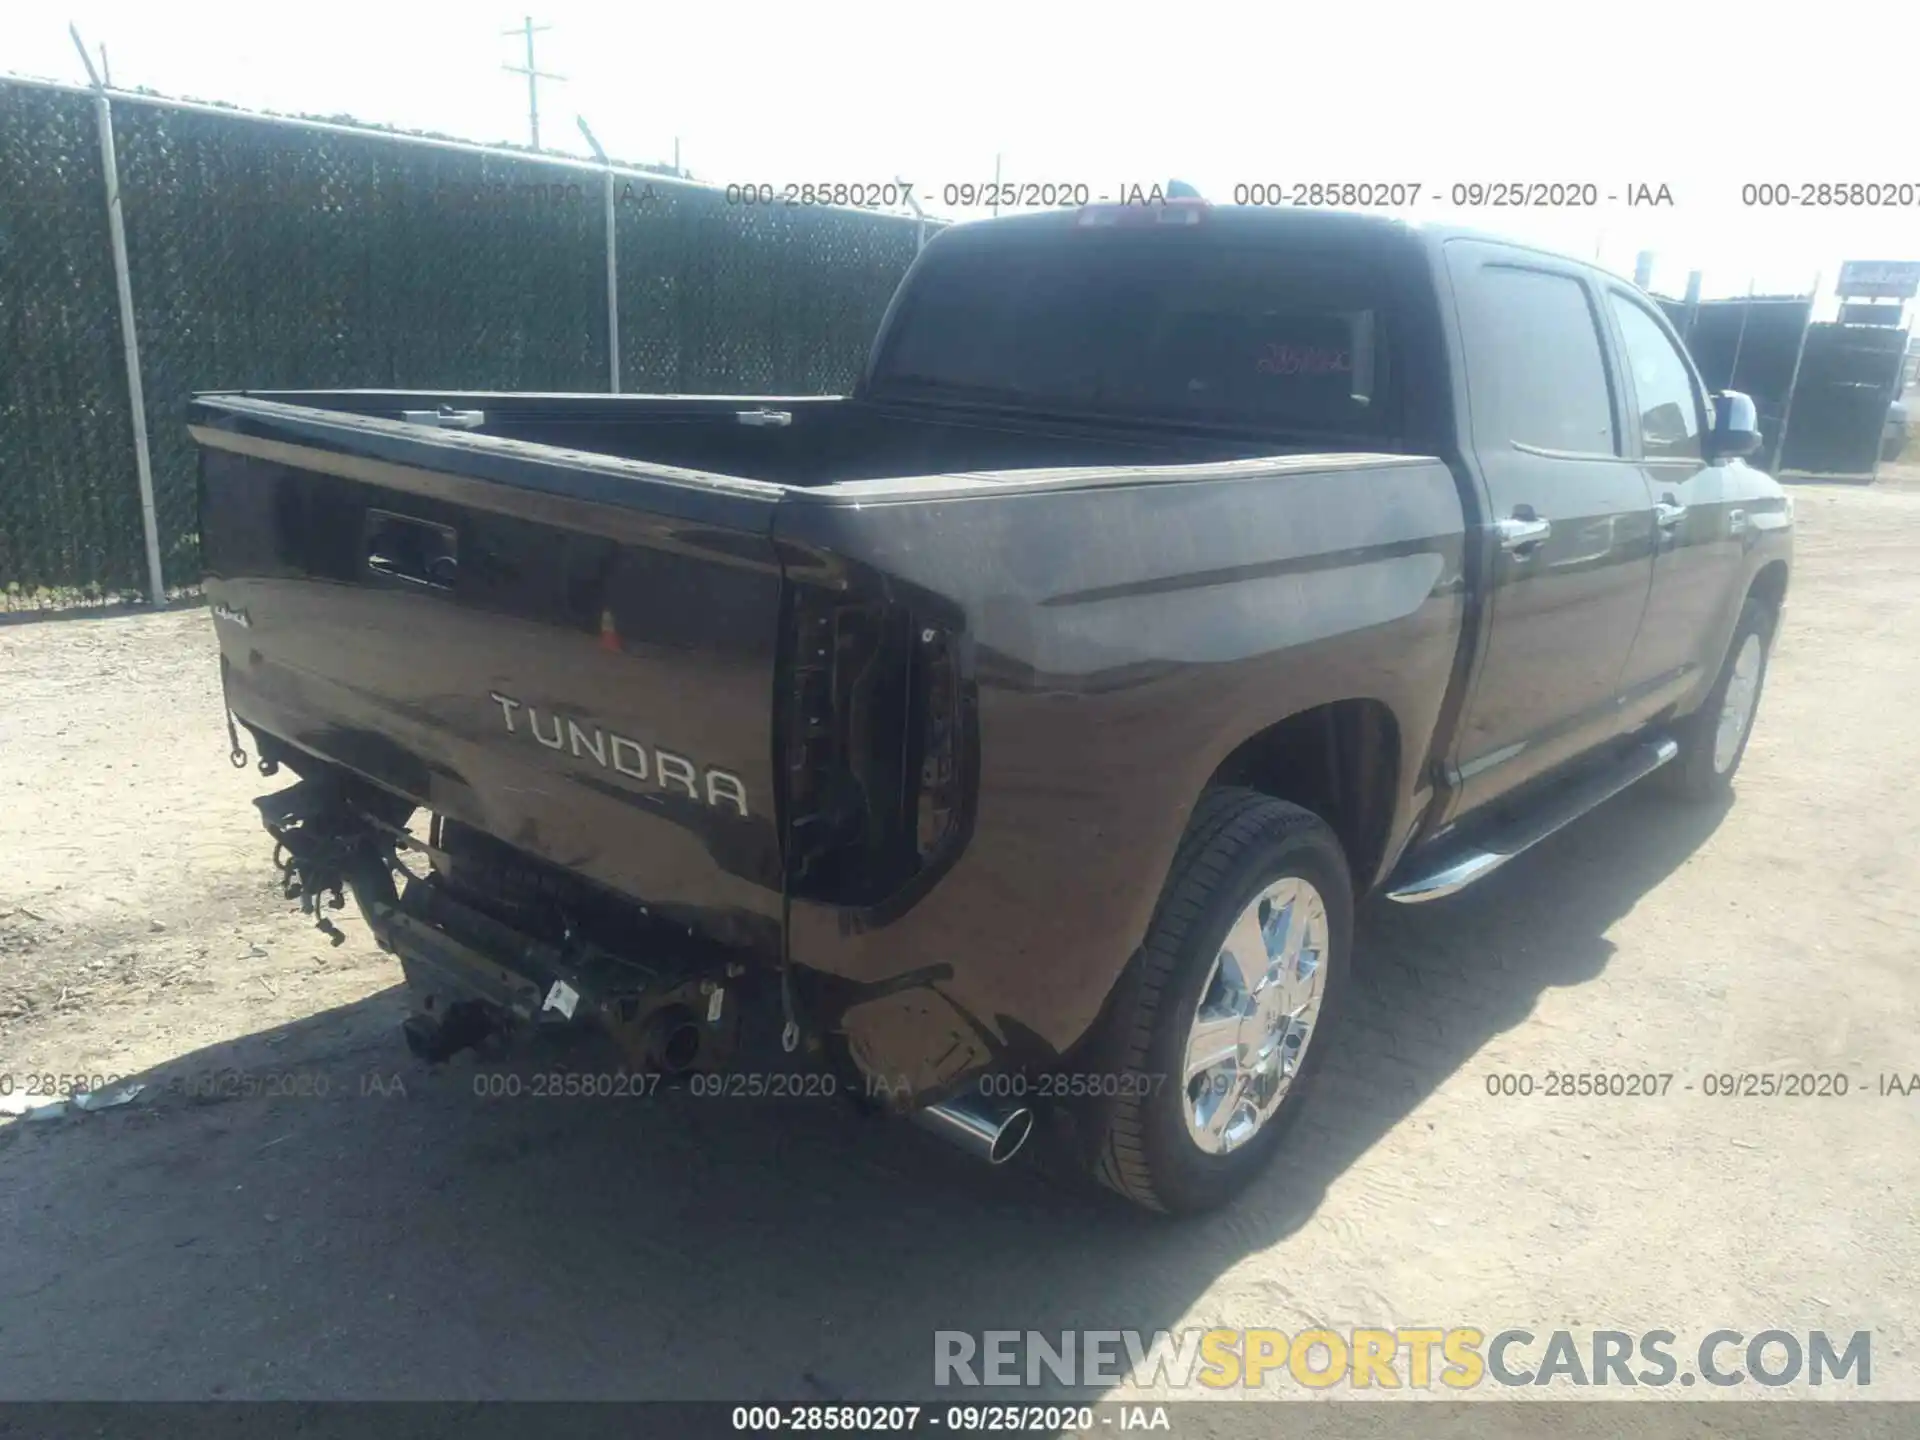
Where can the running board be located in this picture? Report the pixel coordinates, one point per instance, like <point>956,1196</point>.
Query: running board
<point>1459,866</point>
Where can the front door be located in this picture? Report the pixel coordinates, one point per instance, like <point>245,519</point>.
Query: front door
<point>1571,523</point>
<point>1699,522</point>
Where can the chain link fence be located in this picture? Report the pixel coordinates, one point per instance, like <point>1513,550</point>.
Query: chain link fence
<point>264,254</point>
<point>69,496</point>
<point>718,298</point>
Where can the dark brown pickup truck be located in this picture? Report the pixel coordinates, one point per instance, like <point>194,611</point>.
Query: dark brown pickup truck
<point>1011,737</point>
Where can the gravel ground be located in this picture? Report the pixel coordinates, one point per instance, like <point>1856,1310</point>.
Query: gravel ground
<point>396,1236</point>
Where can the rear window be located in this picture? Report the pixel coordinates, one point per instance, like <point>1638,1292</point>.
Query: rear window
<point>1187,325</point>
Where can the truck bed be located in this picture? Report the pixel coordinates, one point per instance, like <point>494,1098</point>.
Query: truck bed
<point>799,441</point>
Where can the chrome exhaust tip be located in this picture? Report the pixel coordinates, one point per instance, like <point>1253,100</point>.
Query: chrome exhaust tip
<point>995,1134</point>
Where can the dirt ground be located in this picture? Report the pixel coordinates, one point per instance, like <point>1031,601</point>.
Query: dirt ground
<point>384,1232</point>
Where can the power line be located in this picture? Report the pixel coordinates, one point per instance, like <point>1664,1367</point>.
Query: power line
<point>533,73</point>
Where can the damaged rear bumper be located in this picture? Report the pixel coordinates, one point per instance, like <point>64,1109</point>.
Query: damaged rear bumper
<point>672,1003</point>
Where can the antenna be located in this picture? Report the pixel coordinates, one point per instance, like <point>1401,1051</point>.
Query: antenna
<point>533,73</point>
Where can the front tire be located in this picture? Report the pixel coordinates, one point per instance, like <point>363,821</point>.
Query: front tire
<point>1713,740</point>
<point>1221,1021</point>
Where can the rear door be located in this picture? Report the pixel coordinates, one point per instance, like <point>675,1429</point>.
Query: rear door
<point>1571,534</point>
<point>1700,527</point>
<point>571,652</point>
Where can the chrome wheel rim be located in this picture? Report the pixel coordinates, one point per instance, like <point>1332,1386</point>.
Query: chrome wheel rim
<point>1256,1017</point>
<point>1736,706</point>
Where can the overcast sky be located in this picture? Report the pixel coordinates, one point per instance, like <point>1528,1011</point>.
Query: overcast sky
<point>1700,97</point>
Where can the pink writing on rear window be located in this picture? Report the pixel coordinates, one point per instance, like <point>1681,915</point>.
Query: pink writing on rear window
<point>1303,360</point>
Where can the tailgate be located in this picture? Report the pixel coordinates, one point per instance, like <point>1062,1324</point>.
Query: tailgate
<point>572,652</point>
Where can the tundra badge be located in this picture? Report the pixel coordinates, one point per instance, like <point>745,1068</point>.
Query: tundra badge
<point>611,751</point>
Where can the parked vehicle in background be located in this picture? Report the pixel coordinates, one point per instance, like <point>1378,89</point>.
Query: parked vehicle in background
<point>1013,736</point>
<point>1894,439</point>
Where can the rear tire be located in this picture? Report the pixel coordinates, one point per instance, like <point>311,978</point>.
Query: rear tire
<point>1179,1142</point>
<point>1713,740</point>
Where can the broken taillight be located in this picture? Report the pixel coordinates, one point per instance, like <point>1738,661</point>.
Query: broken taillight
<point>943,726</point>
<point>876,745</point>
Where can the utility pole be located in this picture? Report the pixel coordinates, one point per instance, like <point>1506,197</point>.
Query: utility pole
<point>613,256</point>
<point>920,229</point>
<point>129,332</point>
<point>1793,380</point>
<point>1740,337</point>
<point>533,73</point>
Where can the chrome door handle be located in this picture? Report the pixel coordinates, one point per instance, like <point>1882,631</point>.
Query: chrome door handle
<point>1666,515</point>
<point>1517,532</point>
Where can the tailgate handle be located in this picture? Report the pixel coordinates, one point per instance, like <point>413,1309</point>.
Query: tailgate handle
<point>417,552</point>
<point>764,417</point>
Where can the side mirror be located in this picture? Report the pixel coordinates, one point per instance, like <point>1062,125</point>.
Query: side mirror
<point>1736,424</point>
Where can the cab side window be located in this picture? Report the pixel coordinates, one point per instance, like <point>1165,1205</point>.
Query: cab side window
<point>1668,403</point>
<point>1536,371</point>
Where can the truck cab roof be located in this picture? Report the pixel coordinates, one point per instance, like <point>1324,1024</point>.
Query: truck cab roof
<point>1287,223</point>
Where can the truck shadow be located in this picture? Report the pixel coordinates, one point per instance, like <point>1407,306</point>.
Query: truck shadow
<point>400,1235</point>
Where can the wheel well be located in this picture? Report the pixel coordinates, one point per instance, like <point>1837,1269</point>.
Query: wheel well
<point>1770,585</point>
<point>1340,761</point>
